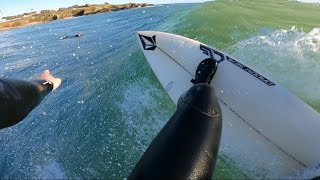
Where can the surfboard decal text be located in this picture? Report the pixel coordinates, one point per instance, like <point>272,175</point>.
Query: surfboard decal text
<point>250,71</point>
<point>211,52</point>
<point>148,43</point>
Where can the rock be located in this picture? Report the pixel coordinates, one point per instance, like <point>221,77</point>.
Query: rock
<point>55,17</point>
<point>79,13</point>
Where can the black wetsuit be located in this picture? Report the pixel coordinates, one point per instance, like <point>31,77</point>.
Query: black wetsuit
<point>187,146</point>
<point>18,98</point>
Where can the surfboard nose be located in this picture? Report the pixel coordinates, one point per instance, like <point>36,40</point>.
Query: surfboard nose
<point>145,32</point>
<point>147,42</point>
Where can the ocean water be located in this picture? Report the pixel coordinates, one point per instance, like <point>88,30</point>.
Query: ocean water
<point>110,104</point>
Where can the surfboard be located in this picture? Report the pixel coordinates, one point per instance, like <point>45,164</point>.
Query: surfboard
<point>266,129</point>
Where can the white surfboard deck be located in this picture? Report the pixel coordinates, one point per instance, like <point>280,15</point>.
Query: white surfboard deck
<point>265,127</point>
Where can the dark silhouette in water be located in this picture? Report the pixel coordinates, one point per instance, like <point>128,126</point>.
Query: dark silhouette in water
<point>66,37</point>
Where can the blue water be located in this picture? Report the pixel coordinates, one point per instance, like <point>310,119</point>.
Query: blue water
<point>109,106</point>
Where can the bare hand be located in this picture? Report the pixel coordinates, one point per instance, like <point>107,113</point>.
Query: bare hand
<point>48,77</point>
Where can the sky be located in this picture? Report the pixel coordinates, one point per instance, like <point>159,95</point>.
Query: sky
<point>14,7</point>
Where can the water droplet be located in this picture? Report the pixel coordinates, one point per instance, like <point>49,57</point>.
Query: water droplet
<point>80,102</point>
<point>143,12</point>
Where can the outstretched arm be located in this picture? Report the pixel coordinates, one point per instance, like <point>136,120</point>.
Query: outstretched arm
<point>18,97</point>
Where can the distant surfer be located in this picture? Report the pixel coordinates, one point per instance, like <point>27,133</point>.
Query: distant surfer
<point>187,146</point>
<point>77,35</point>
<point>18,97</point>
<point>66,37</point>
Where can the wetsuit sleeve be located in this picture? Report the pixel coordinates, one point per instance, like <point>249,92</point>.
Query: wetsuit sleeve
<point>18,98</point>
<point>188,145</point>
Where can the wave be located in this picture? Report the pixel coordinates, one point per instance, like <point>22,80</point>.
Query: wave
<point>310,1</point>
<point>279,38</point>
<point>224,23</point>
<point>291,57</point>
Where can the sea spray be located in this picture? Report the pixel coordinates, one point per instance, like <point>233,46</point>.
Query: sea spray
<point>290,56</point>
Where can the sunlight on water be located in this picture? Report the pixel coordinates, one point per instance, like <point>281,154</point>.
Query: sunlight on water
<point>52,170</point>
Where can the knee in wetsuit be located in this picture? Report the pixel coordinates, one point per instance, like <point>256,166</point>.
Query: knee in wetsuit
<point>187,146</point>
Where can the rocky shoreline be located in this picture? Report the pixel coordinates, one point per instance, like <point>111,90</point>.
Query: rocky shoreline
<point>31,18</point>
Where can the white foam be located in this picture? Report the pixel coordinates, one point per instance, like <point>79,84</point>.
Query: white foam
<point>141,113</point>
<point>289,56</point>
<point>52,170</point>
<point>309,1</point>
<point>308,173</point>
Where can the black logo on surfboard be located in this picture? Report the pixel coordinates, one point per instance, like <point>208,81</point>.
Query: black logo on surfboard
<point>148,43</point>
<point>212,53</point>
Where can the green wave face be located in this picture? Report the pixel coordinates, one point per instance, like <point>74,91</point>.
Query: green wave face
<point>277,37</point>
<point>223,23</point>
